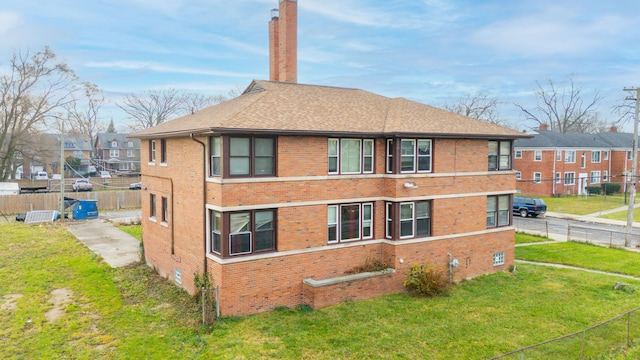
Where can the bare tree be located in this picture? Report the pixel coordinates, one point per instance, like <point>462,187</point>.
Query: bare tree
<point>84,112</point>
<point>479,106</point>
<point>34,90</point>
<point>564,108</point>
<point>153,107</point>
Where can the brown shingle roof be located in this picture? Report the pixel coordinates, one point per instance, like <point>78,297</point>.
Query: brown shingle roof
<point>277,107</point>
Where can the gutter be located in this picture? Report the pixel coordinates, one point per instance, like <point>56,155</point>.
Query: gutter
<point>204,205</point>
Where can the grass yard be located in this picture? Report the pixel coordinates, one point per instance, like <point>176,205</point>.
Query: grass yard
<point>522,238</point>
<point>622,215</point>
<point>582,255</point>
<point>134,230</point>
<point>581,205</point>
<point>131,313</point>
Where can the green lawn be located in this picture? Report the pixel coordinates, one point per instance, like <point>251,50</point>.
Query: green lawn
<point>622,215</point>
<point>522,238</point>
<point>134,230</point>
<point>131,313</point>
<point>581,205</point>
<point>583,255</point>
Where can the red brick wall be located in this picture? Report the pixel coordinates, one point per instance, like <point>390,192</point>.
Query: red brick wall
<point>253,284</point>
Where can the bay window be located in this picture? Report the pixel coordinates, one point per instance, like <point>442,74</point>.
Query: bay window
<point>413,219</point>
<point>248,156</point>
<point>248,232</point>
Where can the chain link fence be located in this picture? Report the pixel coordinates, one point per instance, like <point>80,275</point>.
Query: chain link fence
<point>602,341</point>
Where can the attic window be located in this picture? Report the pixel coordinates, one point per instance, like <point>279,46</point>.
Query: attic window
<point>114,143</point>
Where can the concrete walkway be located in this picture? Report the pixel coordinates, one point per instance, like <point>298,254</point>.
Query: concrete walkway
<point>115,246</point>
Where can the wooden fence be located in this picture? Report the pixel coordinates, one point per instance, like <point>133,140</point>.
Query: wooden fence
<point>107,200</point>
<point>114,183</point>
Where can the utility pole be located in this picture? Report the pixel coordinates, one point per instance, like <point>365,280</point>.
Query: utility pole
<point>62,171</point>
<point>634,168</point>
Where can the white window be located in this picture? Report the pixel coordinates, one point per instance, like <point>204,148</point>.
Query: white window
<point>152,151</point>
<point>558,178</point>
<point>629,155</point>
<point>594,177</point>
<point>606,155</point>
<point>498,213</point>
<point>389,155</point>
<point>349,222</point>
<point>518,175</point>
<point>123,166</point>
<point>406,220</point>
<point>129,153</point>
<point>569,178</point>
<point>498,258</point>
<point>114,144</point>
<point>583,161</point>
<point>499,155</point>
<point>570,156</point>
<point>537,177</point>
<point>114,153</point>
<point>605,175</point>
<point>537,155</point>
<point>389,220</point>
<point>130,144</point>
<point>518,154</point>
<point>350,156</point>
<point>558,155</point>
<point>595,156</point>
<point>407,155</point>
<point>216,232</point>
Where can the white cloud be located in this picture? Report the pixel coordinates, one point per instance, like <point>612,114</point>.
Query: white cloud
<point>134,65</point>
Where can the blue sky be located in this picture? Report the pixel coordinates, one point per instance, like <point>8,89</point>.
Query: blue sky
<point>431,51</point>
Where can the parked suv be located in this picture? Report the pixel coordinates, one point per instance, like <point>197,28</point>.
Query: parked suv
<point>525,206</point>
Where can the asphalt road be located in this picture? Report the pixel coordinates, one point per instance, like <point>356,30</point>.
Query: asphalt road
<point>560,229</point>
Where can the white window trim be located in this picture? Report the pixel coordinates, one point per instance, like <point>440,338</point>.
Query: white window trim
<point>539,175</point>
<point>498,258</point>
<point>388,231</point>
<point>558,155</point>
<point>605,155</point>
<point>389,157</point>
<point>558,178</point>
<point>518,154</point>
<point>535,155</point>
<point>599,156</point>
<point>414,155</point>
<point>574,178</point>
<point>518,175</point>
<point>566,156</point>
<point>605,176</point>
<point>417,155</point>
<point>594,177</point>
<point>362,221</point>
<point>364,156</point>
<point>413,220</point>
<point>250,242</point>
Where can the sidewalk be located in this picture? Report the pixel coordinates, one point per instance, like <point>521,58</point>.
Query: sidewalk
<point>595,217</point>
<point>115,246</point>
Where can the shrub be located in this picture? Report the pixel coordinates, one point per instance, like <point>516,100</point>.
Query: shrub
<point>610,188</point>
<point>371,264</point>
<point>594,190</point>
<point>426,280</point>
<point>205,283</point>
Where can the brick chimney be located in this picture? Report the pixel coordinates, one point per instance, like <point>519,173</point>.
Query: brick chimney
<point>283,43</point>
<point>544,127</point>
<point>613,129</point>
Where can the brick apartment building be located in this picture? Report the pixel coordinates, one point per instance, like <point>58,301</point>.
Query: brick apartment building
<point>279,192</point>
<point>550,163</point>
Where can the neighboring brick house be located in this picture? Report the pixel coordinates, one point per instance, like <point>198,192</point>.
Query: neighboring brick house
<point>277,193</point>
<point>117,153</point>
<point>552,163</point>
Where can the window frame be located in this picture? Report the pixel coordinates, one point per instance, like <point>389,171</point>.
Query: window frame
<point>537,155</point>
<point>572,178</point>
<point>518,154</point>
<point>411,220</point>
<point>114,153</point>
<point>152,151</point>
<point>130,153</point>
<point>518,175</point>
<point>503,154</point>
<point>114,143</point>
<point>216,232</point>
<point>152,206</point>
<point>252,232</point>
<point>163,151</point>
<point>495,214</point>
<point>498,258</point>
<point>252,157</point>
<point>394,220</point>
<point>605,156</point>
<point>570,156</point>
<point>337,223</point>
<point>213,149</point>
<point>558,155</point>
<point>594,175</point>
<point>558,178</point>
<point>537,177</point>
<point>605,176</point>
<point>165,209</point>
<point>389,164</point>
<point>335,153</point>
<point>593,155</point>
